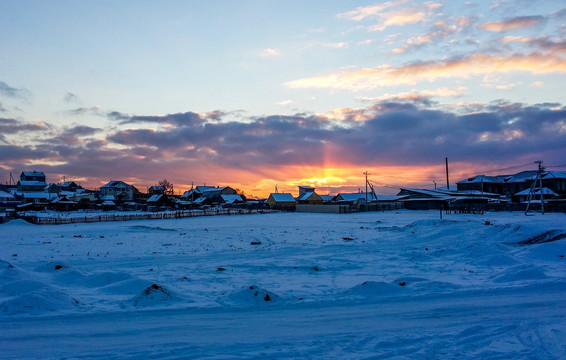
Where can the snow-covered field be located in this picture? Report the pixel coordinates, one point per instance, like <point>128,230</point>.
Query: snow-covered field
<point>321,286</point>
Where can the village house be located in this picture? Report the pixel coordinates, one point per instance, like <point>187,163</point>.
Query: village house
<point>212,194</point>
<point>117,191</point>
<point>53,188</point>
<point>155,190</point>
<point>523,196</point>
<point>513,186</point>
<point>159,201</point>
<point>31,181</point>
<point>71,186</point>
<point>281,201</point>
<point>481,183</point>
<point>307,195</point>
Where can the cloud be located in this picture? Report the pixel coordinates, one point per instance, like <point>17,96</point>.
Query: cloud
<point>71,98</point>
<point>270,52</point>
<point>392,13</point>
<point>12,92</point>
<point>410,74</point>
<point>363,12</point>
<point>335,45</point>
<point>94,110</point>
<point>387,133</point>
<point>515,23</point>
<point>440,30</point>
<point>399,18</point>
<point>178,119</point>
<point>12,126</point>
<point>422,97</point>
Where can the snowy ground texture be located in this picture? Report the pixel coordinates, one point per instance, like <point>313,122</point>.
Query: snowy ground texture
<point>303,286</point>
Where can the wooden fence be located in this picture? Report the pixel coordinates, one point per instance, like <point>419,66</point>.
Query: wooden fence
<point>91,218</point>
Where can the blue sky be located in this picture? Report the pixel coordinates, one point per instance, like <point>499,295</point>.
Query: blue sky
<point>258,93</point>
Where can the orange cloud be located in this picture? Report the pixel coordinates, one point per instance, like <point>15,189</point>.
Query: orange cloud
<point>520,22</point>
<point>400,18</point>
<point>387,75</point>
<point>392,14</point>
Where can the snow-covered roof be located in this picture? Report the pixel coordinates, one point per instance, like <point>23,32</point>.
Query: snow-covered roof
<point>545,191</point>
<point>114,184</point>
<point>437,194</point>
<point>32,183</point>
<point>200,200</point>
<point>306,196</point>
<point>5,196</point>
<point>282,197</point>
<point>202,189</point>
<point>33,173</point>
<point>154,198</point>
<point>69,183</point>
<point>108,198</point>
<point>230,199</point>
<point>356,196</point>
<point>519,177</point>
<point>479,179</point>
<point>554,175</point>
<point>108,203</point>
<point>39,195</point>
<point>62,200</point>
<point>326,197</point>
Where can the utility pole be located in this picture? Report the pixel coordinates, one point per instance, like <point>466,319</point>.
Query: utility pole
<point>447,181</point>
<point>532,192</point>
<point>366,174</point>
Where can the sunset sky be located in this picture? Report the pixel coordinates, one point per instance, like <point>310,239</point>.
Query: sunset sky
<point>254,94</point>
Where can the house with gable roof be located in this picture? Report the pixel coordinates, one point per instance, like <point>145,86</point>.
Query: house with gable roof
<point>31,181</point>
<point>282,201</point>
<point>117,191</point>
<point>307,195</point>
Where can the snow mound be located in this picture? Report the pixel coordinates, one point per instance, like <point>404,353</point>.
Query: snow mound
<point>34,298</point>
<point>369,289</point>
<point>18,222</point>
<point>153,295</point>
<point>50,267</point>
<point>105,278</point>
<point>8,272</point>
<point>431,223</point>
<point>129,287</point>
<point>521,275</point>
<point>400,287</point>
<point>252,295</point>
<point>545,237</point>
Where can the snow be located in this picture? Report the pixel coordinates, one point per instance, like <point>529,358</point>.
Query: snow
<point>283,197</point>
<point>373,285</point>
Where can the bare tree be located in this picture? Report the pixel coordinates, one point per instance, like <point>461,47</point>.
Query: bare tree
<point>168,186</point>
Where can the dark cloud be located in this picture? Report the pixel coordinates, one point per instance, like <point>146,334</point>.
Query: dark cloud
<point>12,92</point>
<point>71,98</point>
<point>12,126</point>
<point>86,111</point>
<point>179,119</point>
<point>393,134</point>
<point>116,115</point>
<point>72,135</point>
